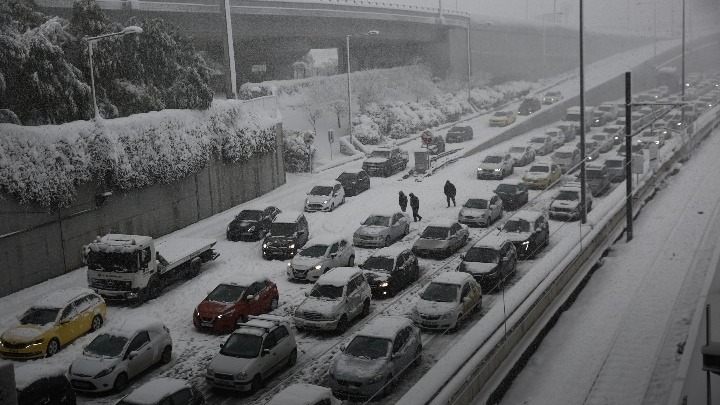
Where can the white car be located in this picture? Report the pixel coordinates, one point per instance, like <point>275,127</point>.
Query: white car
<point>446,301</point>
<point>648,137</point>
<point>164,391</point>
<point>606,141</point>
<point>552,97</point>
<point>121,353</point>
<point>566,157</point>
<point>542,144</point>
<point>304,394</point>
<point>557,135</point>
<point>566,205</point>
<point>325,197</point>
<point>320,255</point>
<point>380,230</point>
<point>252,353</point>
<point>495,167</point>
<point>481,211</point>
<point>522,155</point>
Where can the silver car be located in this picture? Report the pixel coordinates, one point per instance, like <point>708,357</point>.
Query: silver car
<point>441,239</point>
<point>380,230</point>
<point>522,155</point>
<point>481,211</point>
<point>318,256</point>
<point>375,357</point>
<point>495,167</point>
<point>542,144</point>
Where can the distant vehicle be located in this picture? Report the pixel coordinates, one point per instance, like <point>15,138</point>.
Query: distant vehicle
<point>459,134</point>
<point>502,118</point>
<point>481,211</point>
<point>251,223</point>
<point>46,384</point>
<point>385,161</point>
<point>522,155</point>
<point>380,230</point>
<point>391,269</point>
<point>542,144</point>
<point>592,149</point>
<point>529,106</point>
<point>541,175</point>
<point>491,261</point>
<point>557,135</point>
<point>605,141</point>
<point>376,356</point>
<point>599,119</point>
<point>447,301</point>
<point>616,169</point>
<point>616,132</point>
<point>304,394</point>
<point>495,167</point>
<point>325,197</point>
<point>164,391</point>
<point>441,239</point>
<point>636,148</point>
<point>513,193</point>
<point>566,157</point>
<point>528,231</point>
<point>252,353</point>
<point>233,302</point>
<point>610,110</point>
<point>436,145</point>
<point>570,129</point>
<point>598,178</point>
<point>319,256</point>
<point>552,97</point>
<point>288,233</point>
<point>354,182</point>
<point>566,205</point>
<point>573,115</point>
<point>649,136</point>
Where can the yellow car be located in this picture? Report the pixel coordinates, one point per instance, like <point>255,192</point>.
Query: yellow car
<point>53,322</point>
<point>502,118</point>
<point>541,175</point>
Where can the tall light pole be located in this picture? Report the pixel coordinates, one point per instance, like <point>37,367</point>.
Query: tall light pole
<point>90,40</point>
<point>583,196</point>
<point>349,92</point>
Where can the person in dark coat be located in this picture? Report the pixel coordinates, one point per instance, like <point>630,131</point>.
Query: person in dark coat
<point>450,193</point>
<point>415,205</point>
<point>403,200</point>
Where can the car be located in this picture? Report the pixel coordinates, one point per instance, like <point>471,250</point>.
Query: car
<point>251,223</point>
<point>385,161</point>
<point>354,182</point>
<point>304,394</point>
<point>233,302</point>
<point>495,167</point>
<point>542,144</point>
<point>529,231</point>
<point>636,148</point>
<point>592,149</point>
<point>289,231</point>
<point>567,203</point>
<point>380,230</point>
<point>566,157</point>
<point>557,135</point>
<point>164,391</point>
<point>252,354</point>
<point>51,323</point>
<point>522,155</point>
<point>616,132</point>
<point>325,197</point>
<point>529,106</point>
<point>552,97</point>
<point>610,109</point>
<point>121,353</point>
<point>513,193</point>
<point>377,355</point>
<point>570,129</point>
<point>436,145</point>
<point>338,296</point>
<point>441,239</point>
<point>541,175</point>
<point>391,269</point>
<point>597,177</point>
<point>502,118</point>
<point>599,119</point>
<point>319,256</point>
<point>459,134</point>
<point>616,169</point>
<point>42,384</point>
<point>491,261</point>
<point>663,128</point>
<point>649,136</point>
<point>481,211</point>
<point>447,301</point>
<point>605,141</point>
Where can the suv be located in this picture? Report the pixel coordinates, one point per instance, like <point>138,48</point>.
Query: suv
<point>528,231</point>
<point>354,181</point>
<point>337,297</point>
<point>390,269</point>
<point>566,205</point>
<point>43,384</point>
<point>385,161</point>
<point>491,261</point>
<point>598,177</point>
<point>252,353</point>
<point>288,233</point>
<point>459,134</point>
<point>529,106</point>
<point>325,197</point>
<point>513,193</point>
<point>320,255</point>
<point>251,223</point>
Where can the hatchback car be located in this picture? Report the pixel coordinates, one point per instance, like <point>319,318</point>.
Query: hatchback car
<point>325,197</point>
<point>253,353</point>
<point>491,261</point>
<point>251,223</point>
<point>304,394</point>
<point>43,384</point>
<point>289,232</point>
<point>459,134</point>
<point>542,145</point>
<point>121,353</point>
<point>441,239</point>
<point>592,149</point>
<point>528,231</point>
<point>495,167</point>
<point>567,203</point>
<point>552,97</point>
<point>391,269</point>
<point>529,105</point>
<point>447,301</point>
<point>522,155</point>
<point>232,302</point>
<point>164,391</point>
<point>380,230</point>
<point>541,175</point>
<point>481,211</point>
<point>502,118</point>
<point>52,322</point>
<point>320,255</point>
<point>354,182</point>
<point>648,137</point>
<point>513,193</point>
<point>376,356</point>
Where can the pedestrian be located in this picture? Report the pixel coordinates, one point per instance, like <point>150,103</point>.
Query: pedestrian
<point>415,205</point>
<point>449,190</point>
<point>402,199</point>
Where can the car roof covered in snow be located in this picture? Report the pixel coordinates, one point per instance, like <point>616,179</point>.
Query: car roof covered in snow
<point>442,223</point>
<point>261,324</point>
<point>566,148</point>
<point>491,240</point>
<point>255,207</point>
<point>155,390</point>
<point>385,327</point>
<point>325,240</point>
<point>386,214</point>
<point>326,183</point>
<point>119,243</point>
<point>246,280</point>
<point>452,277</point>
<point>338,276</point>
<point>553,130</point>
<point>352,171</point>
<point>287,216</point>
<point>526,215</point>
<point>513,182</point>
<point>28,373</point>
<point>58,299</point>
<point>301,394</point>
<point>391,251</point>
<point>130,326</point>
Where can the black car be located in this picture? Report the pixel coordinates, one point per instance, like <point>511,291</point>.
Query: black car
<point>288,233</point>
<point>459,134</point>
<point>528,231</point>
<point>390,269</point>
<point>513,193</point>
<point>529,106</point>
<point>251,224</point>
<point>45,385</point>
<point>491,262</point>
<point>354,182</point>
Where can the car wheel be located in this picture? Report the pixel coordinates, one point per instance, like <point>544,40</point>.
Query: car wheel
<point>387,241</point>
<point>166,355</point>
<point>274,304</point>
<point>293,358</point>
<point>342,324</point>
<point>388,387</point>
<point>256,384</point>
<point>53,347</point>
<point>351,261</point>
<point>97,322</point>
<point>332,207</point>
<point>418,355</point>
<point>366,308</point>
<point>458,323</point>
<point>120,383</point>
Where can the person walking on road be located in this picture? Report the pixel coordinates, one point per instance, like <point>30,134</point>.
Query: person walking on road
<point>450,193</point>
<point>403,200</point>
<point>415,205</point>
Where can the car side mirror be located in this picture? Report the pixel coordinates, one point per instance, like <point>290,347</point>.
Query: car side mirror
<point>133,354</point>
<point>265,352</point>
<point>64,321</point>
<point>249,297</point>
<point>333,255</point>
<point>499,228</point>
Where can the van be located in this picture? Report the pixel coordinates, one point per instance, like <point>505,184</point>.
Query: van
<point>598,178</point>
<point>289,232</point>
<point>616,169</point>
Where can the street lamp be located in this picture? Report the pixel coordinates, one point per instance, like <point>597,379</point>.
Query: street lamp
<point>347,48</point>
<point>90,40</point>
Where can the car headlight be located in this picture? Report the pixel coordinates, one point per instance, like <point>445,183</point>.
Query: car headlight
<point>264,245</point>
<point>227,229</point>
<point>447,316</point>
<point>241,375</point>
<point>251,229</point>
<point>497,169</point>
<point>525,244</point>
<point>228,313</point>
<point>318,267</point>
<point>307,201</point>
<point>197,312</point>
<point>384,284</point>
<point>105,372</point>
<point>36,342</point>
<point>292,246</point>
<point>326,201</point>
<point>289,265</point>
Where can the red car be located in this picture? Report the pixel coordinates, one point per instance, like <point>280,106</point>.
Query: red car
<point>230,304</point>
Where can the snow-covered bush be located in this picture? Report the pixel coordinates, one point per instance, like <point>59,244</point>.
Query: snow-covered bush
<point>295,152</point>
<point>365,130</point>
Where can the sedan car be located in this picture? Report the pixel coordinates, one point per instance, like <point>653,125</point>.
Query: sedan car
<point>557,135</point>
<point>231,303</point>
<point>495,167</point>
<point>251,223</point>
<point>320,255</point>
<point>648,137</point>
<point>52,322</point>
<point>528,231</point>
<point>491,261</point>
<point>446,301</point>
<point>522,155</point>
<point>502,118</point>
<point>529,106</point>
<point>541,175</point>
<point>481,211</point>
<point>376,356</point>
<point>552,97</point>
<point>441,239</point>
<point>605,141</point>
<point>391,269</point>
<point>542,144</point>
<point>325,197</point>
<point>380,230</point>
<point>354,182</point>
<point>592,149</point>
<point>513,193</point>
<point>164,391</point>
<point>616,132</point>
<point>459,134</point>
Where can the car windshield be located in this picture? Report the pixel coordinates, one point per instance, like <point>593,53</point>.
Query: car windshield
<point>377,220</point>
<point>500,114</point>
<point>282,229</point>
<point>599,137</point>
<point>327,291</point>
<point>457,129</point>
<point>347,176</point>
<point>552,93</point>
<point>249,215</point>
<point>611,130</point>
<point>506,188</point>
<point>321,190</point>
<point>492,159</point>
<point>552,132</point>
<point>106,346</point>
<point>563,155</point>
<point>380,153</point>
<point>368,347</point>
<point>594,174</point>
<point>537,140</point>
<point>614,163</point>
<point>435,232</point>
<point>477,203</point>
<point>314,251</point>
<point>517,225</point>
<point>517,149</point>
<point>379,263</point>
<point>226,293</point>
<point>540,169</point>
<point>242,346</point>
<point>481,255</point>
<point>440,292</point>
<point>39,316</point>
<point>568,195</point>
<point>121,262</point>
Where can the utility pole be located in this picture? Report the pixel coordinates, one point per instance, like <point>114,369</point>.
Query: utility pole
<point>628,159</point>
<point>583,197</point>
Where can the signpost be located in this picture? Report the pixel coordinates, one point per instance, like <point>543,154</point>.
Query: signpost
<point>331,140</point>
<point>309,138</point>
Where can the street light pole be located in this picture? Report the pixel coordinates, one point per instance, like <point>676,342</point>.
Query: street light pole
<point>583,196</point>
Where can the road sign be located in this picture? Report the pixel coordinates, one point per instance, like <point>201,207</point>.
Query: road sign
<point>427,137</point>
<point>331,136</point>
